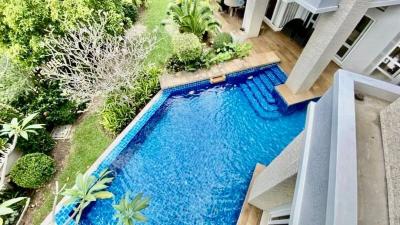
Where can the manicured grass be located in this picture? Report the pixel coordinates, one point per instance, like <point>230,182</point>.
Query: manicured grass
<point>88,142</point>
<point>153,17</point>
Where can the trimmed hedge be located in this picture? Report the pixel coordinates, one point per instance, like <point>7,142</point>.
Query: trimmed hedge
<point>221,40</point>
<point>187,47</point>
<point>33,170</point>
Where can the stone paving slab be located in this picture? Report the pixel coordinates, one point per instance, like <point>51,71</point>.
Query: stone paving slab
<point>183,77</point>
<point>390,125</point>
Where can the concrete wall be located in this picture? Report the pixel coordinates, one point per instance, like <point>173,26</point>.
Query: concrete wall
<point>384,29</point>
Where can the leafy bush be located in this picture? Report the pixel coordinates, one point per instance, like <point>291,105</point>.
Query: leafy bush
<point>33,170</point>
<point>193,16</point>
<point>40,142</point>
<point>14,81</point>
<point>122,105</point>
<point>24,24</point>
<point>209,57</point>
<point>48,101</point>
<point>221,40</point>
<point>7,113</point>
<point>131,12</point>
<point>187,47</point>
<point>175,64</point>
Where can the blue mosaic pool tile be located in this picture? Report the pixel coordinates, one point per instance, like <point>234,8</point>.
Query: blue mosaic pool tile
<point>63,214</point>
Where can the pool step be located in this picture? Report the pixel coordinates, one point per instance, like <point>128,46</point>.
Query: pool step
<point>279,74</point>
<point>264,90</point>
<point>261,99</point>
<point>259,109</point>
<point>271,76</point>
<point>259,89</point>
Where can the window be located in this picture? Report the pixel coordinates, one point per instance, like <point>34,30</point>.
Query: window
<point>390,65</point>
<point>355,35</point>
<point>280,215</point>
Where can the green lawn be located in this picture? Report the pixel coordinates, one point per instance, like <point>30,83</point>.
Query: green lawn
<point>153,16</point>
<point>88,142</point>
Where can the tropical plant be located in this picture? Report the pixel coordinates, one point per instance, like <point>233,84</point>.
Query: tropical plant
<point>87,189</point>
<point>187,47</point>
<point>33,170</point>
<point>14,130</point>
<point>6,209</point>
<point>122,105</point>
<point>128,210</point>
<point>193,16</point>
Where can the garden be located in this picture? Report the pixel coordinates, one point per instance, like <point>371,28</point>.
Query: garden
<point>93,65</point>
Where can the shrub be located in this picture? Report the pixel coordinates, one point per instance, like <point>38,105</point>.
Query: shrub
<point>24,24</point>
<point>48,101</point>
<point>14,81</point>
<point>131,12</point>
<point>7,113</point>
<point>122,105</point>
<point>187,47</point>
<point>40,142</point>
<point>175,64</point>
<point>221,40</point>
<point>33,170</point>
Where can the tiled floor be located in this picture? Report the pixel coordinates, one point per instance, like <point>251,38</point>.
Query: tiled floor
<point>286,49</point>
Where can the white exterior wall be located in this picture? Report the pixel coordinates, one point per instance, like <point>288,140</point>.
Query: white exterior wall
<point>382,31</point>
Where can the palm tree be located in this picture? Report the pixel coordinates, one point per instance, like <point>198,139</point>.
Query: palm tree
<point>5,208</point>
<point>14,130</point>
<point>128,211</point>
<point>87,189</point>
<point>194,16</point>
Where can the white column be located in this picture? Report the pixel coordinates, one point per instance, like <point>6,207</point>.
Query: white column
<point>331,31</point>
<point>253,17</point>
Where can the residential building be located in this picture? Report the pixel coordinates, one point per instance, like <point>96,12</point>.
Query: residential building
<point>361,36</point>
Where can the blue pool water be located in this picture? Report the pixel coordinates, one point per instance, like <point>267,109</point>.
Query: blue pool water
<point>195,156</point>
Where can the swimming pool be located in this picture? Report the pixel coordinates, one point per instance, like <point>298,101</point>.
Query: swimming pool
<point>195,150</point>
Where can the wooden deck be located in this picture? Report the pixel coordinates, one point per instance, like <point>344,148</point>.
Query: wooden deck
<point>250,215</point>
<point>287,50</point>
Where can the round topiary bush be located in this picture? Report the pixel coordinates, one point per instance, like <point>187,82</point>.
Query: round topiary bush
<point>130,11</point>
<point>33,170</point>
<point>187,47</point>
<point>40,142</point>
<point>221,40</point>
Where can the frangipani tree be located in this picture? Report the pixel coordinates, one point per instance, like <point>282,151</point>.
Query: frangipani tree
<point>88,62</point>
<point>87,189</point>
<point>14,130</point>
<point>128,210</point>
<point>5,207</point>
